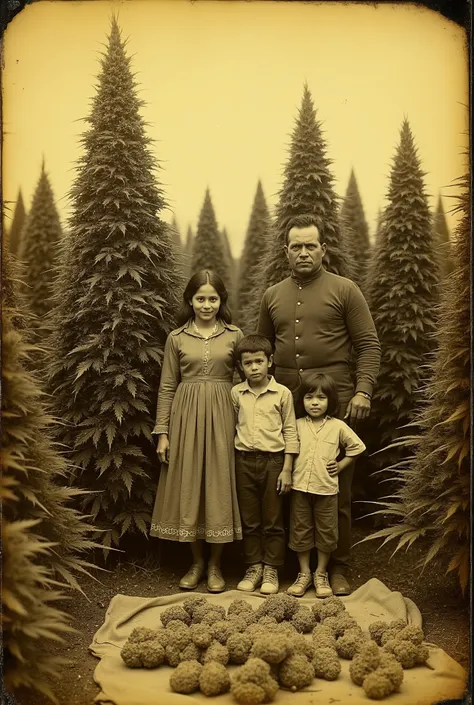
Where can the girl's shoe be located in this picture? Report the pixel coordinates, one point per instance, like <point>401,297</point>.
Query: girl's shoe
<point>321,585</point>
<point>215,581</point>
<point>301,584</point>
<point>191,580</point>
<point>270,583</point>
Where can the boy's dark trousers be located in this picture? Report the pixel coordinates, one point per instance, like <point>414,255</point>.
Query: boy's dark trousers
<point>261,507</point>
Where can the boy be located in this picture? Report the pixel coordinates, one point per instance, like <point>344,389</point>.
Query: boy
<point>265,442</point>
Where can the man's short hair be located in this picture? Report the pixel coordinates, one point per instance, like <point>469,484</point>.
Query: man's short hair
<point>305,220</point>
<point>252,344</point>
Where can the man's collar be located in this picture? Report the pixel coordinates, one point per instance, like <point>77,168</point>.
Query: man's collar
<point>304,282</point>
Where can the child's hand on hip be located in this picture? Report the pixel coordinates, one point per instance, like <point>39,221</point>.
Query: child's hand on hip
<point>284,482</point>
<point>163,448</point>
<point>332,466</point>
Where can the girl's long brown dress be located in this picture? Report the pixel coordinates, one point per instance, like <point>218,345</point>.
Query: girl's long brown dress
<point>196,496</point>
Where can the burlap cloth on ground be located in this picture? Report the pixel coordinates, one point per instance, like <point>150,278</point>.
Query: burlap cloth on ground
<point>120,685</point>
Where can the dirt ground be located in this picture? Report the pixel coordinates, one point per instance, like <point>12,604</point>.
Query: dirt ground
<point>158,570</point>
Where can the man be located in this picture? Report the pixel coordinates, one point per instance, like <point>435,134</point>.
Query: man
<point>314,319</point>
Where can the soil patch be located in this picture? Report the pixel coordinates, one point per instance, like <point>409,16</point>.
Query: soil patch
<point>159,567</point>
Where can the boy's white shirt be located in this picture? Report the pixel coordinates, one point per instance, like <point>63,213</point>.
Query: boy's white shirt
<point>318,445</point>
<point>265,418</point>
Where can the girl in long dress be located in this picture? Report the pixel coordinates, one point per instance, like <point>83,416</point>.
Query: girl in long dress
<point>196,500</point>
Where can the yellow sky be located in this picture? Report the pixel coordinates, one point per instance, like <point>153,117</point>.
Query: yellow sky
<point>223,82</point>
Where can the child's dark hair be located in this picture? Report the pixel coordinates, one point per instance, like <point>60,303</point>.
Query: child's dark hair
<point>252,344</point>
<point>313,383</point>
<point>204,276</point>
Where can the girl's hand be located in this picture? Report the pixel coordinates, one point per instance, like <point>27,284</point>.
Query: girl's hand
<point>163,448</point>
<point>333,468</point>
<point>284,482</point>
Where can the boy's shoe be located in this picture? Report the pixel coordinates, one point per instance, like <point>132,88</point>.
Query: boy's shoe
<point>301,584</point>
<point>215,581</point>
<point>270,583</point>
<point>321,585</point>
<point>252,578</point>
<point>340,585</point>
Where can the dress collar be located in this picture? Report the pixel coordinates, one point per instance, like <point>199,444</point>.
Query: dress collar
<point>189,329</point>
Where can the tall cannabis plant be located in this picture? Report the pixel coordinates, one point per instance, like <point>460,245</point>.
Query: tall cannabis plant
<point>251,281</point>
<point>38,250</point>
<point>175,234</point>
<point>44,539</point>
<point>433,495</point>
<point>188,247</point>
<point>357,243</point>
<point>116,296</point>
<point>374,247</point>
<point>231,266</point>
<point>403,296</point>
<point>178,247</point>
<point>188,253</point>
<point>307,188</point>
<point>18,222</point>
<point>208,249</point>
<point>443,241</point>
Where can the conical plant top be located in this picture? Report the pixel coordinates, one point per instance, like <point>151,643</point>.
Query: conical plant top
<point>117,296</point>
<point>252,263</point>
<point>18,223</point>
<point>356,241</point>
<point>307,189</point>
<point>442,240</point>
<point>39,249</point>
<point>208,250</point>
<point>403,296</point>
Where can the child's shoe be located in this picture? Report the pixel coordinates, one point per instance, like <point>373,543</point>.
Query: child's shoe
<point>321,585</point>
<point>301,584</point>
<point>270,583</point>
<point>252,578</point>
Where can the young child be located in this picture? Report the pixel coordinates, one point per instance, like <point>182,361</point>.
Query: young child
<point>313,501</point>
<point>265,442</point>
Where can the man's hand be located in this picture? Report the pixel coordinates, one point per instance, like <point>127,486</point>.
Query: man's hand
<point>358,408</point>
<point>333,468</point>
<point>163,448</point>
<point>284,482</point>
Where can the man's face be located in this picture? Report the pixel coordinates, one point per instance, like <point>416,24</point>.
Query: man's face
<point>304,251</point>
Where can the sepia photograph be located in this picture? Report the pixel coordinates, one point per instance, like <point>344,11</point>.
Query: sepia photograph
<point>236,353</point>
